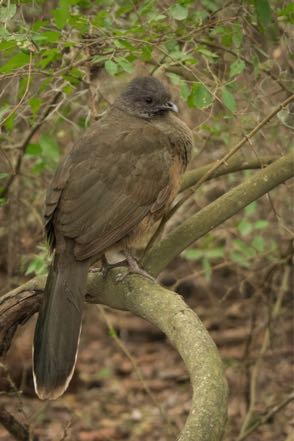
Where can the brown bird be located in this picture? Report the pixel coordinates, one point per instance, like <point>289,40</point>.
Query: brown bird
<point>119,179</point>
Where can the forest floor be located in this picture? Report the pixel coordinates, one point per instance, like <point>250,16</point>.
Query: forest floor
<point>107,401</point>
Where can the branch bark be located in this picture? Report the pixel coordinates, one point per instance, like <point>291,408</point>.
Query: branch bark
<point>233,165</point>
<point>19,431</point>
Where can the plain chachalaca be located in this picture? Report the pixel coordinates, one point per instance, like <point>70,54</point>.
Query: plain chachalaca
<point>119,179</point>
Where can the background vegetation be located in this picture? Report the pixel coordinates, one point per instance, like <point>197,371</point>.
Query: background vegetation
<point>228,65</point>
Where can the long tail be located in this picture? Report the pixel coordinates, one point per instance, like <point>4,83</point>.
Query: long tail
<point>58,326</point>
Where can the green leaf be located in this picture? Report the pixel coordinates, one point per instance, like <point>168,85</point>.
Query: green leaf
<point>33,150</point>
<point>200,96</point>
<point>214,253</point>
<point>288,13</point>
<point>124,44</point>
<point>111,67</point>
<point>37,266</point>
<point>146,52</point>
<point>261,224</point>
<point>230,35</point>
<point>61,16</point>
<point>178,12</point>
<point>125,65</point>
<point>38,167</point>
<point>185,91</point>
<point>35,103</point>
<point>237,35</point>
<point>74,76</point>
<point>104,373</point>
<point>102,20</point>
<point>242,247</point>
<point>18,60</point>
<point>258,243</point>
<point>193,254</point>
<point>50,149</point>
<point>112,332</point>
<point>207,268</point>
<point>245,227</point>
<point>99,59</point>
<point>38,24</point>
<point>175,79</point>
<point>7,12</point>
<point>210,5</point>
<point>263,12</point>
<point>207,53</point>
<point>3,175</point>
<point>228,100</point>
<point>9,123</point>
<point>50,36</point>
<point>156,17</point>
<point>236,68</point>
<point>239,258</point>
<point>4,110</point>
<point>47,57</point>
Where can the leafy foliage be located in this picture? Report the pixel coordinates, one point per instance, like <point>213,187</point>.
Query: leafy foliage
<point>205,49</point>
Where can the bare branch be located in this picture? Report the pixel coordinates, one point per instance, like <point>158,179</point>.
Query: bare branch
<point>19,431</point>
<point>233,165</point>
<point>268,416</point>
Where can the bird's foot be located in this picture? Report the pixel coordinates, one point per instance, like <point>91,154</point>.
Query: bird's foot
<point>133,268</point>
<point>106,266</point>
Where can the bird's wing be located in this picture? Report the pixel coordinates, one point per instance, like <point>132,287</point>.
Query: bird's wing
<point>111,189</point>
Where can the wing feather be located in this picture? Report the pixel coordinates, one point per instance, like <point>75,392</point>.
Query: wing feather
<point>98,197</point>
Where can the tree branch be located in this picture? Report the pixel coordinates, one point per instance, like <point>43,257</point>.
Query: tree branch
<point>234,164</point>
<point>19,431</point>
<point>214,214</point>
<point>168,312</point>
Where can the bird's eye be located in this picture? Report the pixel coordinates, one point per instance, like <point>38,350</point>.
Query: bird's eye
<point>148,100</point>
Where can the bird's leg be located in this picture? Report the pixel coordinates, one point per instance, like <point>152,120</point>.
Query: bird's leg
<point>134,267</point>
<point>106,266</point>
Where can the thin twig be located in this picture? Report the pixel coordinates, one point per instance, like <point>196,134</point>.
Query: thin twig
<point>246,60</point>
<point>125,350</point>
<point>263,349</point>
<point>28,138</point>
<point>24,94</point>
<point>263,420</point>
<point>15,109</point>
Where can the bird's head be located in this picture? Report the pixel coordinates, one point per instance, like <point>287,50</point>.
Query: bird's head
<point>146,97</point>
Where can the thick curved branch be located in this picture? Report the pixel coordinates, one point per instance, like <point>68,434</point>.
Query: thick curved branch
<point>233,165</point>
<point>214,214</point>
<point>168,312</point>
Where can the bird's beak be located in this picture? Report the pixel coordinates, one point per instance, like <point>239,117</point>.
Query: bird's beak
<point>170,106</point>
